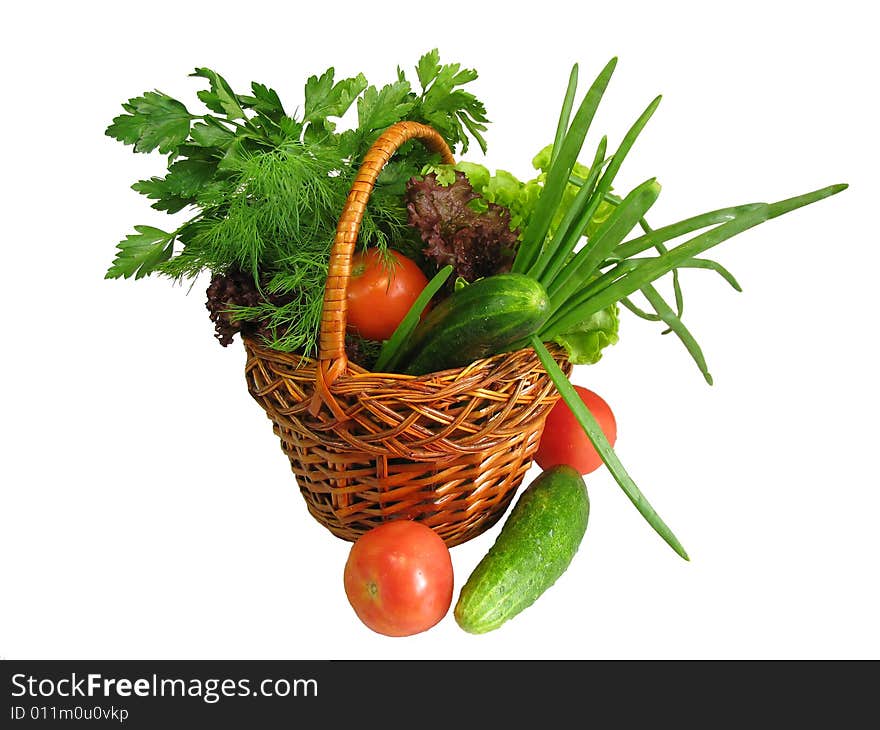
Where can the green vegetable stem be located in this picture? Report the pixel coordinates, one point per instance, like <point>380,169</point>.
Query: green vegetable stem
<point>597,438</point>
<point>391,351</point>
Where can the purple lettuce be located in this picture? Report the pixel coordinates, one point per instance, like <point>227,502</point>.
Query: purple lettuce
<point>460,227</point>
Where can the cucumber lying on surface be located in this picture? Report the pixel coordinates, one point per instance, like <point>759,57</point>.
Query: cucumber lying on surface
<point>482,319</point>
<point>534,548</point>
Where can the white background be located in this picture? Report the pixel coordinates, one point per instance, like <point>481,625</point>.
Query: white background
<point>147,510</point>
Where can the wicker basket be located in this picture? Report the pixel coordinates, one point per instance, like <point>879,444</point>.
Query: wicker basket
<point>448,448</point>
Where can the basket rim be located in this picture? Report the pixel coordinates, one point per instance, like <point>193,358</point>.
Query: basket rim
<point>355,371</point>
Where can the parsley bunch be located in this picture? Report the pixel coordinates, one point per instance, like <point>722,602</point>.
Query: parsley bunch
<point>264,186</point>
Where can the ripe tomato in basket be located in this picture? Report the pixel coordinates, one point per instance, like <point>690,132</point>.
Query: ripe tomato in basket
<point>398,578</point>
<point>381,291</point>
<point>563,441</point>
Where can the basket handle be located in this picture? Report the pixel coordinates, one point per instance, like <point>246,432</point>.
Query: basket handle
<point>333,360</point>
<point>333,317</point>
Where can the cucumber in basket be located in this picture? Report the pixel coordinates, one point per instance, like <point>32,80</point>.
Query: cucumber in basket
<point>534,548</point>
<point>482,319</point>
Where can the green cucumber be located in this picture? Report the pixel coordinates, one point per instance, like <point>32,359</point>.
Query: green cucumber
<point>480,320</point>
<point>534,548</point>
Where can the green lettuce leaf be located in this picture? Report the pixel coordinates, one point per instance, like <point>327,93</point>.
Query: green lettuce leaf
<point>585,343</point>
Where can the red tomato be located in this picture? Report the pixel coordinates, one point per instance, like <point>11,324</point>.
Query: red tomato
<point>398,578</point>
<point>564,441</point>
<point>380,292</point>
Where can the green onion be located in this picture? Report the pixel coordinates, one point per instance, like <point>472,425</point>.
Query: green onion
<point>535,234</point>
<point>597,437</point>
<point>565,113</point>
<point>712,266</point>
<point>613,231</point>
<point>638,311</point>
<point>664,311</point>
<point>799,201</point>
<point>584,296</point>
<point>393,346</point>
<point>629,139</point>
<point>651,269</point>
<point>674,230</point>
<point>553,257</point>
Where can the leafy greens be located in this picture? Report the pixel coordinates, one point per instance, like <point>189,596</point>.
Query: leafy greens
<point>264,186</point>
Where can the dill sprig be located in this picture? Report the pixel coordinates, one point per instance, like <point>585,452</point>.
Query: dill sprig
<point>278,222</point>
<point>276,206</point>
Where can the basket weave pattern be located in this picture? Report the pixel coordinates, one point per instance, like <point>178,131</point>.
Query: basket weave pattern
<point>448,448</point>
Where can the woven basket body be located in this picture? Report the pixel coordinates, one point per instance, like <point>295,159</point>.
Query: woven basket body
<point>449,448</point>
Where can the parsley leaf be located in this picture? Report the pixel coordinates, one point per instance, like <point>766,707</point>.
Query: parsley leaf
<point>157,189</point>
<point>377,110</point>
<point>180,186</point>
<point>290,128</point>
<point>428,67</point>
<point>325,99</point>
<point>264,101</point>
<point>211,133</point>
<point>220,98</point>
<point>154,121</point>
<point>140,253</point>
<point>380,109</point>
<point>451,111</point>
